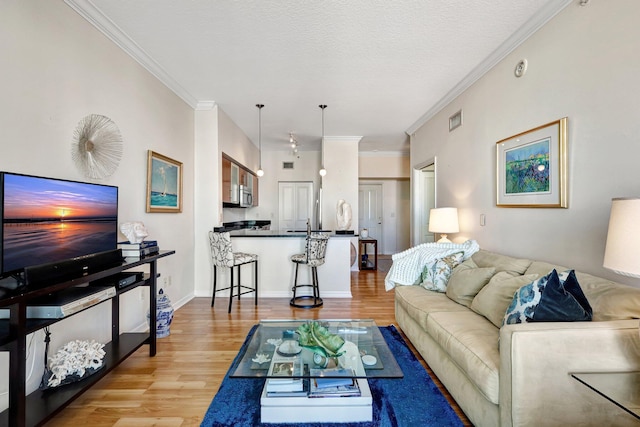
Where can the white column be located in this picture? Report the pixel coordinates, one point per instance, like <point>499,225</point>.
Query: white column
<point>341,181</point>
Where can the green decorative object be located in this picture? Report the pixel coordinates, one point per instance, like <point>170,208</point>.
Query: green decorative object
<point>317,338</point>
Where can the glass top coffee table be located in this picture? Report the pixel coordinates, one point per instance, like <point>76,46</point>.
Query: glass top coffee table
<point>294,375</point>
<point>365,350</point>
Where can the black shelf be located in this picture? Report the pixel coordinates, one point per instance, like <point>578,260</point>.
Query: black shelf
<point>45,404</point>
<point>39,406</point>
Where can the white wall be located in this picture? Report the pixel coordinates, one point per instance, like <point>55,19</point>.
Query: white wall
<point>56,69</point>
<point>207,195</point>
<point>341,181</point>
<point>234,143</point>
<point>392,171</point>
<point>396,214</point>
<point>584,65</point>
<point>383,165</point>
<point>306,165</point>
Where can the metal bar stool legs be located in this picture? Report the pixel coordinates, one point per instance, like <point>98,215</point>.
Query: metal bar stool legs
<point>223,256</point>
<point>315,249</point>
<point>300,301</point>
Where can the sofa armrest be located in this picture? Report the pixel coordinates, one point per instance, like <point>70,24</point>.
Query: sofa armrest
<point>537,358</point>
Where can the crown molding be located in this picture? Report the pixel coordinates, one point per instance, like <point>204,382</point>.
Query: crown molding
<point>343,138</point>
<point>537,21</point>
<point>205,105</point>
<point>91,13</point>
<point>383,154</point>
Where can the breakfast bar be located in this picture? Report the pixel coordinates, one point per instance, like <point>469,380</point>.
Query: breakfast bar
<point>274,249</point>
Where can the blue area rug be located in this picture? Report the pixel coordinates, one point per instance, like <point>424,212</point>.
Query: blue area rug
<point>412,401</point>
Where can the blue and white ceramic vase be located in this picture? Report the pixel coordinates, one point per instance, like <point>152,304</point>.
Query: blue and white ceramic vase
<point>164,315</point>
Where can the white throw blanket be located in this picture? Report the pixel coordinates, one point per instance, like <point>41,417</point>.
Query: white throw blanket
<point>408,265</point>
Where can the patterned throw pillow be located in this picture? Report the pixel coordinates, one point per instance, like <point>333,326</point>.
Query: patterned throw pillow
<point>435,274</point>
<point>552,298</point>
<point>525,300</point>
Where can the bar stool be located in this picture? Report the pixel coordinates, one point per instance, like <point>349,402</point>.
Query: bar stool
<point>222,255</point>
<point>313,256</point>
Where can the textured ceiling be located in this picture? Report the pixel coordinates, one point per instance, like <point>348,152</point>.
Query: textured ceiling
<point>381,66</point>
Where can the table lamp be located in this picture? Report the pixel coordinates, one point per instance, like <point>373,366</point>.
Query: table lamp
<point>443,220</point>
<point>621,254</point>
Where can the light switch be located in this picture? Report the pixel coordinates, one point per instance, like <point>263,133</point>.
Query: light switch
<point>482,220</point>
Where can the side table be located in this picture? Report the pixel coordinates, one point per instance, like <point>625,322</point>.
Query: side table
<point>365,261</point>
<point>621,388</point>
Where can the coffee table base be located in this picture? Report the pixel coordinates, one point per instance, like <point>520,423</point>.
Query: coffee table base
<point>318,409</point>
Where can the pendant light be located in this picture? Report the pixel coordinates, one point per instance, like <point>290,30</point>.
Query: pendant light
<point>260,172</point>
<point>323,171</point>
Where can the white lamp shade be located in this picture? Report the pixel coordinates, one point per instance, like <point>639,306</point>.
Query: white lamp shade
<point>443,220</point>
<point>621,252</point>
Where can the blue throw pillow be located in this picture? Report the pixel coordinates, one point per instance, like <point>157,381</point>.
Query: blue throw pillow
<point>563,301</point>
<point>552,298</point>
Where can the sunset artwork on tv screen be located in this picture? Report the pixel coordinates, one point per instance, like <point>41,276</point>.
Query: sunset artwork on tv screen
<point>47,220</point>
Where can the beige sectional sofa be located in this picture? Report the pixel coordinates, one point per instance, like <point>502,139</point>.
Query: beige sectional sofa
<point>518,375</point>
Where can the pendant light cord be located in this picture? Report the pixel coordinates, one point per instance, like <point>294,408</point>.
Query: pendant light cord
<point>260,171</point>
<point>323,171</point>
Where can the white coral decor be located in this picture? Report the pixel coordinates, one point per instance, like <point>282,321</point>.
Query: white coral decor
<point>75,358</point>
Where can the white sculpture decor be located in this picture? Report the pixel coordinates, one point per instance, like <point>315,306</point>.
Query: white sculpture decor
<point>343,215</point>
<point>134,231</point>
<point>77,359</point>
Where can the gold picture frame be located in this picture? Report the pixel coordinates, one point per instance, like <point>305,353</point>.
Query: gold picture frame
<point>164,184</point>
<point>531,168</point>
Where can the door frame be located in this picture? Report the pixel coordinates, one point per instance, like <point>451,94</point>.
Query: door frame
<point>382,217</point>
<point>417,201</point>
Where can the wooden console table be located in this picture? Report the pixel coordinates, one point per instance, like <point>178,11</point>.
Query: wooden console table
<point>39,406</point>
<point>365,262</point>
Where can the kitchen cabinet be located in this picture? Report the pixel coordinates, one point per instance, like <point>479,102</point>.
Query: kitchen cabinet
<point>254,189</point>
<point>233,175</point>
<point>230,180</point>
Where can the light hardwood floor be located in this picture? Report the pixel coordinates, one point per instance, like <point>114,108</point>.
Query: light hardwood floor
<point>175,387</point>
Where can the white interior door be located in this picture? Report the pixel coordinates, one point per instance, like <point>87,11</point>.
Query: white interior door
<point>296,204</point>
<point>370,211</point>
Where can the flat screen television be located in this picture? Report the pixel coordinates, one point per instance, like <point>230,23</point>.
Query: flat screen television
<point>48,220</point>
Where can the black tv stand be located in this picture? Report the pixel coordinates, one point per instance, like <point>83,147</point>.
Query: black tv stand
<point>38,407</point>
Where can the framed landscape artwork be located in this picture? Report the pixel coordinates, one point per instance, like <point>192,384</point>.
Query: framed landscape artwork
<point>531,168</point>
<point>164,184</point>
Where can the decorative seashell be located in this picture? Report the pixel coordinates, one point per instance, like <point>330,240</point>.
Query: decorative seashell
<point>261,358</point>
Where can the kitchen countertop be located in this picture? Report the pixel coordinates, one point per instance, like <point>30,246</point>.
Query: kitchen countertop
<point>282,233</point>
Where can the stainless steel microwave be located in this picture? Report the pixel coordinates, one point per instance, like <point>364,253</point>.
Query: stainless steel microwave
<point>246,198</point>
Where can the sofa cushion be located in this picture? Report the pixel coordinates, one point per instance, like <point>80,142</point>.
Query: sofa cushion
<point>501,262</point>
<point>543,268</point>
<point>492,300</point>
<point>436,273</point>
<point>472,343</point>
<point>610,300</point>
<point>420,303</point>
<point>466,281</point>
<point>551,298</point>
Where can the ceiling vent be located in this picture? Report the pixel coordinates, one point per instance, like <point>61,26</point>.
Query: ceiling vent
<point>287,165</point>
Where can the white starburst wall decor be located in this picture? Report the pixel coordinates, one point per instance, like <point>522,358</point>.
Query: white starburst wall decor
<point>97,146</point>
